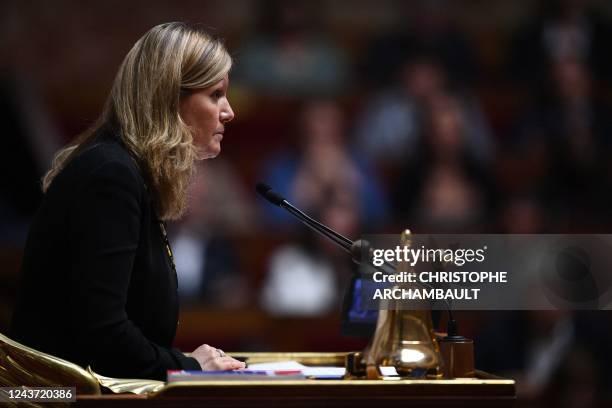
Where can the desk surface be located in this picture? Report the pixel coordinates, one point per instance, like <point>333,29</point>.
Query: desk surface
<point>474,392</point>
<point>318,393</point>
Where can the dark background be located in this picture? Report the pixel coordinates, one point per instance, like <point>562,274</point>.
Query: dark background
<point>451,117</point>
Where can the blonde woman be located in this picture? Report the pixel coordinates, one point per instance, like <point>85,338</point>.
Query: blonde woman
<point>99,286</point>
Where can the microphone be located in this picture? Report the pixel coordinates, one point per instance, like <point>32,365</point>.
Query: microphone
<point>267,192</point>
<point>356,249</point>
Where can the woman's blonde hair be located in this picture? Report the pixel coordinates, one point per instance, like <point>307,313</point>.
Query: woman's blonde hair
<point>170,60</point>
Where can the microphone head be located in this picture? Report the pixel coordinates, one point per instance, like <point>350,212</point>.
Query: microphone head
<point>262,188</point>
<point>266,192</point>
<point>361,251</point>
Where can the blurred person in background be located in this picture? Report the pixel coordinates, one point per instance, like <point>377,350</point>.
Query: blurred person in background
<point>523,214</point>
<point>98,284</point>
<point>421,27</point>
<point>324,162</point>
<point>308,278</point>
<point>207,254</point>
<point>444,189</point>
<point>561,30</point>
<point>571,125</point>
<point>288,56</point>
<point>558,358</point>
<point>391,126</point>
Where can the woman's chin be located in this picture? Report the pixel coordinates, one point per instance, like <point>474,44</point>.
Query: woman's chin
<point>211,152</point>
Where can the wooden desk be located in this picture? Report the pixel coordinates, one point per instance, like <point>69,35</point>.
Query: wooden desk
<point>486,391</point>
<point>322,393</point>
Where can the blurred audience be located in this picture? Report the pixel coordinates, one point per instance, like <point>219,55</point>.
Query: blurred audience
<point>558,358</point>
<point>324,163</point>
<point>570,126</point>
<point>422,27</point>
<point>562,29</point>
<point>390,130</point>
<point>522,214</point>
<point>391,126</point>
<point>308,278</point>
<point>444,189</point>
<point>206,252</point>
<point>288,56</point>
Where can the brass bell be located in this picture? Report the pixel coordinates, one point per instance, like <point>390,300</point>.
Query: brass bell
<point>404,339</point>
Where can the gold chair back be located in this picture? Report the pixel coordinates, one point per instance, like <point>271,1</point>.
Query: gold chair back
<point>23,366</point>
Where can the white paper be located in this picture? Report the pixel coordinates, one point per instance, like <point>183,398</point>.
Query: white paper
<point>277,365</point>
<point>388,371</point>
<point>324,371</point>
<point>318,371</point>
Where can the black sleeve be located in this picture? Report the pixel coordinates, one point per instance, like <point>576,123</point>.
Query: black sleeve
<point>105,227</point>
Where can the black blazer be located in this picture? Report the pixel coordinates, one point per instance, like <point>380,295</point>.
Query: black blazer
<point>97,286</point>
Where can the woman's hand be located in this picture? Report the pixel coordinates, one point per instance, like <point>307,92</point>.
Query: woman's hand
<point>213,359</point>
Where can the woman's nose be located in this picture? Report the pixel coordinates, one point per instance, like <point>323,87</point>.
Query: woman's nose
<point>227,114</point>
